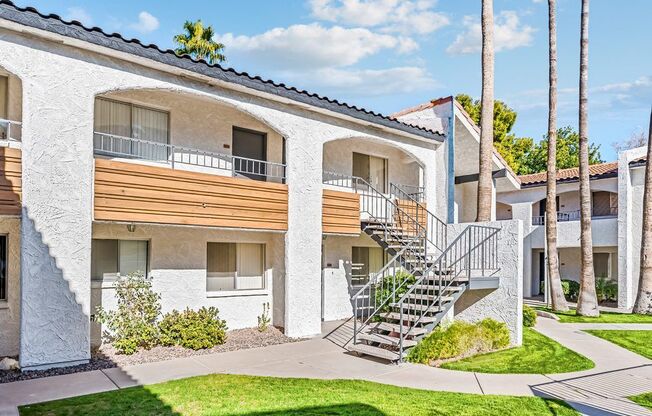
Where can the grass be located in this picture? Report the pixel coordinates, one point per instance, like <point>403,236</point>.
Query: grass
<point>644,400</point>
<point>571,317</point>
<point>221,394</point>
<point>538,355</point>
<point>635,341</point>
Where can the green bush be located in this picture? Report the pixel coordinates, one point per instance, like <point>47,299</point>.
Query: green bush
<point>385,288</point>
<point>460,339</point>
<point>529,316</point>
<point>606,290</point>
<point>193,329</point>
<point>133,324</point>
<point>571,289</point>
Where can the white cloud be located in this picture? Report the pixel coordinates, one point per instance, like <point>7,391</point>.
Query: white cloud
<point>79,14</point>
<point>146,23</point>
<point>312,46</point>
<point>368,82</point>
<point>400,16</point>
<point>509,33</point>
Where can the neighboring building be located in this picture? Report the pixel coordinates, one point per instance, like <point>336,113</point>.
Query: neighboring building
<point>616,189</point>
<point>228,191</point>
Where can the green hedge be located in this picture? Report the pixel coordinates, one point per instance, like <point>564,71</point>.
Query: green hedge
<point>529,316</point>
<point>193,329</point>
<point>460,339</point>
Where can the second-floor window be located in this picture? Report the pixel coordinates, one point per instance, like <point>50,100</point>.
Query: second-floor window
<point>130,121</point>
<point>605,204</point>
<point>372,169</point>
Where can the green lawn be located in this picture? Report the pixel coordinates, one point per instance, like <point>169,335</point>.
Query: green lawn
<point>643,399</point>
<point>571,317</point>
<point>221,394</point>
<point>639,342</point>
<point>538,355</point>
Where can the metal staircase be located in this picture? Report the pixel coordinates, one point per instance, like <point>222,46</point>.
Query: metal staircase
<point>424,276</point>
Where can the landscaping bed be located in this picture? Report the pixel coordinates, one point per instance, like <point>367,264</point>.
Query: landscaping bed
<point>637,341</point>
<point>538,355</point>
<point>571,317</point>
<point>221,394</point>
<point>107,356</point>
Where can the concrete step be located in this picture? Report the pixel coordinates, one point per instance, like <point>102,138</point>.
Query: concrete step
<point>365,349</point>
<point>385,339</point>
<point>389,327</point>
<point>395,316</point>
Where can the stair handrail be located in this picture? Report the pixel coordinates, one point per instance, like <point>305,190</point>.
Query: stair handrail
<point>476,239</point>
<point>434,225</point>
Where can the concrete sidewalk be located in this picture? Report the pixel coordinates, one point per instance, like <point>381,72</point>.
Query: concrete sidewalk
<point>600,391</point>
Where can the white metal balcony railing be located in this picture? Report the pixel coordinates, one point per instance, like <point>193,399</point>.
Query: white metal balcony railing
<point>10,130</point>
<point>568,216</point>
<point>225,164</point>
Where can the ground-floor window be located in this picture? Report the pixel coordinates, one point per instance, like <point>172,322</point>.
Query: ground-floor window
<point>235,266</point>
<point>602,264</point>
<point>113,258</point>
<point>365,262</point>
<point>3,267</point>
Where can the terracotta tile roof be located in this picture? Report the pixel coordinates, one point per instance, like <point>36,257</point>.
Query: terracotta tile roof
<point>572,174</point>
<point>53,23</point>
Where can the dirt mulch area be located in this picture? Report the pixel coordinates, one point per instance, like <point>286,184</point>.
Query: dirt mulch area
<point>107,357</point>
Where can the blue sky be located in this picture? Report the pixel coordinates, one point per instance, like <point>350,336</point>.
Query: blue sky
<point>386,55</point>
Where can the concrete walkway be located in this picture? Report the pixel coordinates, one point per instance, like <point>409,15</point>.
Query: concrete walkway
<point>601,391</point>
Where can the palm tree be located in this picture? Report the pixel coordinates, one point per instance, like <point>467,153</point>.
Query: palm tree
<point>485,181</point>
<point>643,303</point>
<point>197,41</point>
<point>587,302</point>
<point>556,290</point>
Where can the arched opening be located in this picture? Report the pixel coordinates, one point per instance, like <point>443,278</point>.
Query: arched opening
<point>186,131</point>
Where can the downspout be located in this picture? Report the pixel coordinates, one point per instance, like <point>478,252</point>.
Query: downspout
<point>451,164</point>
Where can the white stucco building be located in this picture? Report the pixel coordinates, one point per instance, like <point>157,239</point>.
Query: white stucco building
<point>617,194</point>
<point>226,190</point>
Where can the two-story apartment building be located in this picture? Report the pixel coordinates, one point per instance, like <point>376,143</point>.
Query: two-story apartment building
<point>226,190</point>
<point>616,190</point>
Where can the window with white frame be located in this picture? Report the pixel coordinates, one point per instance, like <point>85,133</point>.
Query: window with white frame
<point>117,121</point>
<point>113,258</point>
<point>365,262</point>
<point>3,268</point>
<point>235,266</point>
<point>372,169</point>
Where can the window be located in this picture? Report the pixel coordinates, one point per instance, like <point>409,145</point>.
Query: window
<point>127,120</point>
<point>605,204</point>
<point>365,262</point>
<point>113,258</point>
<point>372,169</point>
<point>3,267</point>
<point>235,266</point>
<point>601,264</point>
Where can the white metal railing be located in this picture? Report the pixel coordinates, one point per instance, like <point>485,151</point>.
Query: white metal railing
<point>128,147</point>
<point>10,130</point>
<point>567,216</point>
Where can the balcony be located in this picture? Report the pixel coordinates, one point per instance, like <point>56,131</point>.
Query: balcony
<point>568,216</point>
<point>10,130</point>
<point>150,182</point>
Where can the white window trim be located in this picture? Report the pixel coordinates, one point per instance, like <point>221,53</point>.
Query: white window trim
<point>266,290</point>
<point>110,282</point>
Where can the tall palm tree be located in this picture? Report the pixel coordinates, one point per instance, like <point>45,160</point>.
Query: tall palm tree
<point>643,303</point>
<point>587,302</point>
<point>197,41</point>
<point>485,181</point>
<point>554,280</point>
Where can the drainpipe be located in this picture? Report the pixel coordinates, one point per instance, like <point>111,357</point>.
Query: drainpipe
<point>451,164</point>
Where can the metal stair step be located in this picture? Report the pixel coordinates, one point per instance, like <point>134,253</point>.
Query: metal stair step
<point>395,316</point>
<point>418,307</point>
<point>385,339</point>
<point>374,351</point>
<point>423,296</point>
<point>437,287</point>
<point>389,327</point>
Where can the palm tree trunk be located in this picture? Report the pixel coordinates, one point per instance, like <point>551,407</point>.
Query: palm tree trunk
<point>485,181</point>
<point>587,303</point>
<point>554,280</point>
<point>643,303</point>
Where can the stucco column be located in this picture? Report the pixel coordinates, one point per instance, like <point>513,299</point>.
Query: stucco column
<point>303,239</point>
<point>523,211</point>
<point>57,165</point>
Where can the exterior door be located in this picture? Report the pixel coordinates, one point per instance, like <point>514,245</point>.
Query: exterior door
<point>251,146</point>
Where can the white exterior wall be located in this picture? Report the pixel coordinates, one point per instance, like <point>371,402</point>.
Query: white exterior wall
<point>60,84</point>
<point>504,304</point>
<point>10,309</point>
<point>177,267</point>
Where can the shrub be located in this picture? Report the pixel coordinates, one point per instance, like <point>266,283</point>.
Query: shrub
<point>133,324</point>
<point>606,290</point>
<point>385,288</point>
<point>263,319</point>
<point>460,339</point>
<point>193,329</point>
<point>529,316</point>
<point>573,290</point>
